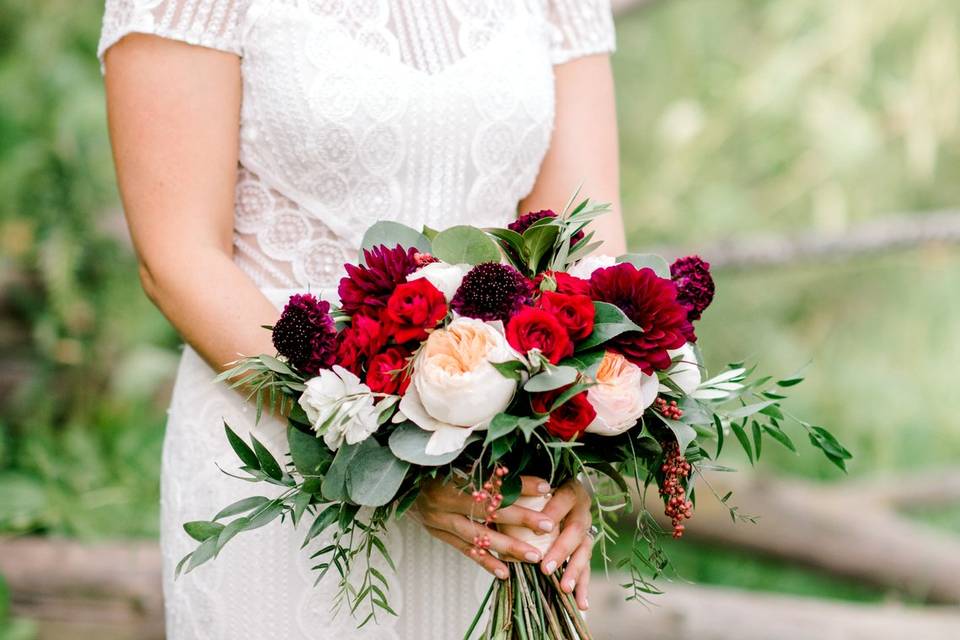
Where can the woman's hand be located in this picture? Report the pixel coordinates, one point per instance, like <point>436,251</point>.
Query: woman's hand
<point>570,506</point>
<point>447,514</point>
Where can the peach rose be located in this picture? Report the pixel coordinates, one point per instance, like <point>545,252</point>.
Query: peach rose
<point>621,395</point>
<point>455,390</point>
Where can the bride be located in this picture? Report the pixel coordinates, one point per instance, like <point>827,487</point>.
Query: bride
<point>255,141</point>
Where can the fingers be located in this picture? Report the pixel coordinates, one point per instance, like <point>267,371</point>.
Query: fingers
<point>521,516</point>
<point>534,486</point>
<point>563,501</point>
<point>488,561</point>
<point>577,573</point>
<point>505,546</point>
<point>574,531</point>
<point>583,586</point>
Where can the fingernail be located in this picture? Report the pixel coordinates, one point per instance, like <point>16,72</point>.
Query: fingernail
<point>570,584</point>
<point>551,566</point>
<point>532,556</point>
<point>586,605</point>
<point>546,525</point>
<point>500,573</point>
<point>543,487</point>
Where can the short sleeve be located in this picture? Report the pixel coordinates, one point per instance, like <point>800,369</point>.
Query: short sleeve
<point>208,23</point>
<point>580,28</point>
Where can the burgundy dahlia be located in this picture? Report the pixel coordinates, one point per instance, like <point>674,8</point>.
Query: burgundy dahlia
<point>651,302</point>
<point>367,287</point>
<point>305,334</point>
<point>492,291</point>
<point>525,221</point>
<point>695,286</point>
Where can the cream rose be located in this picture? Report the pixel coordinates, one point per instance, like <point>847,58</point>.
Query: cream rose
<point>454,389</point>
<point>686,372</point>
<point>621,395</point>
<point>445,277</point>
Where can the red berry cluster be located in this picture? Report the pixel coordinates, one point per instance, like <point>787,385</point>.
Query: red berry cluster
<point>489,497</point>
<point>668,409</point>
<point>675,469</point>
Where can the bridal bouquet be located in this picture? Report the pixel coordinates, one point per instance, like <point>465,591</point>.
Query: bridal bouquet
<point>477,356</point>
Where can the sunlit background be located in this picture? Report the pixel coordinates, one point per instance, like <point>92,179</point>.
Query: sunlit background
<point>745,125</point>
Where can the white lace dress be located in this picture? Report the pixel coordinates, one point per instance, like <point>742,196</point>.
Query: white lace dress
<point>433,112</point>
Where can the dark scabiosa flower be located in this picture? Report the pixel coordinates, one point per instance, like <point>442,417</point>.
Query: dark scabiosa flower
<point>492,291</point>
<point>651,302</point>
<point>368,287</point>
<point>695,286</point>
<point>525,221</point>
<point>305,334</point>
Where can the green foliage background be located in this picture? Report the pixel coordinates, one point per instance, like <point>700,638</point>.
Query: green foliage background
<point>736,117</point>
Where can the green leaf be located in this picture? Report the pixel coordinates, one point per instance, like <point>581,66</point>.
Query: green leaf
<point>744,440</point>
<point>202,553</point>
<point>323,520</point>
<point>609,322</point>
<point>375,476</point>
<point>684,433</point>
<point>510,369</point>
<point>501,425</point>
<point>268,463</point>
<point>527,425</point>
<point>647,261</point>
<point>608,470</point>
<point>264,516</point>
<point>244,452</point>
<point>780,436</point>
<point>233,528</point>
<point>409,442</point>
<point>749,410</point>
<point>429,232</point>
<point>510,490</point>
<point>200,530</point>
<point>241,506</point>
<point>538,240</point>
<point>300,503</point>
<point>464,244</point>
<point>757,437</point>
<point>335,482</point>
<point>276,365</point>
<point>552,378</point>
<point>789,382</point>
<point>309,453</point>
<point>586,362</point>
<point>719,425</point>
<point>390,234</point>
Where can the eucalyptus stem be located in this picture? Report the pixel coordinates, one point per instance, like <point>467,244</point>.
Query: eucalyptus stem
<point>571,610</point>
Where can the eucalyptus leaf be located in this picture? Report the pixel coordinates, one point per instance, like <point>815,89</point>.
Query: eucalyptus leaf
<point>464,244</point>
<point>309,453</point>
<point>241,506</point>
<point>647,261</point>
<point>409,442</point>
<point>391,234</point>
<point>335,482</point>
<point>375,476</point>
<point>551,379</point>
<point>200,530</point>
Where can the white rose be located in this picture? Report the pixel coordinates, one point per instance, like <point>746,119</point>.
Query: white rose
<point>339,407</point>
<point>584,268</point>
<point>686,372</point>
<point>454,389</point>
<point>445,277</point>
<point>621,395</point>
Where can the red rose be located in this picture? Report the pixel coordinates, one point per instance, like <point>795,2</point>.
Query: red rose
<point>569,419</point>
<point>413,308</point>
<point>574,311</point>
<point>387,372</point>
<point>537,329</point>
<point>566,283</point>
<point>363,338</point>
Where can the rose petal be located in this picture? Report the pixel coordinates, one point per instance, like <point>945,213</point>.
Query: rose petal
<point>447,438</point>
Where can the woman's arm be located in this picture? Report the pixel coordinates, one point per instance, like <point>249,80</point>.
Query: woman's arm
<point>583,148</point>
<point>174,118</point>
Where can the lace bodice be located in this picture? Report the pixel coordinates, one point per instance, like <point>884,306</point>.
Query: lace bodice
<point>433,112</point>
